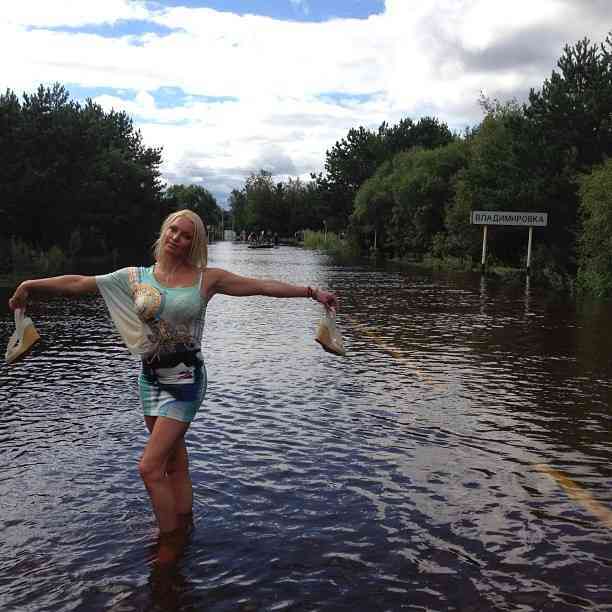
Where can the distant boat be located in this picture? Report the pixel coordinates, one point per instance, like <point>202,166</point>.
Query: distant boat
<point>262,245</point>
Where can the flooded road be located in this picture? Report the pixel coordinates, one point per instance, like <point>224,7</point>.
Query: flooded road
<point>458,459</point>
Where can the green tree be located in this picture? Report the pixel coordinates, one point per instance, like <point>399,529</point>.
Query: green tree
<point>595,244</point>
<point>573,111</point>
<point>427,132</point>
<point>423,190</point>
<point>501,174</point>
<point>284,207</point>
<point>371,218</point>
<point>354,159</point>
<point>11,164</point>
<point>265,208</point>
<point>237,203</point>
<point>66,167</point>
<point>195,198</point>
<point>405,201</point>
<point>570,124</point>
<point>348,164</point>
<point>303,204</point>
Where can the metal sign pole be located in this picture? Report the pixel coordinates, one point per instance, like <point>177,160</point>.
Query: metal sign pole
<point>529,248</point>
<point>484,247</point>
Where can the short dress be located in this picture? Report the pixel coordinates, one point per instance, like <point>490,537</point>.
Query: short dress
<point>164,326</point>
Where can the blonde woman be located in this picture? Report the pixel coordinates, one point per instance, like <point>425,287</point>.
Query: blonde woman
<point>159,312</point>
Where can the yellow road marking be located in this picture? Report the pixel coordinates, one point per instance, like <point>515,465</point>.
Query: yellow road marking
<point>395,353</point>
<point>577,493</point>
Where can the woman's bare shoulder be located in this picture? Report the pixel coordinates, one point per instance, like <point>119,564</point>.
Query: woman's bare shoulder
<point>213,273</point>
<point>212,276</point>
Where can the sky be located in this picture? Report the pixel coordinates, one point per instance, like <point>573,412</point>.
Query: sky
<point>229,87</point>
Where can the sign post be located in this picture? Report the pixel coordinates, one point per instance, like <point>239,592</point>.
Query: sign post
<point>529,248</point>
<point>496,217</point>
<point>484,247</point>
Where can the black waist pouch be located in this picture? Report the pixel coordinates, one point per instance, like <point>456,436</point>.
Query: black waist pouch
<point>189,357</point>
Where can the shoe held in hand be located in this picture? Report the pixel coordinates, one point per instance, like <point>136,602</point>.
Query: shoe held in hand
<point>23,338</point>
<point>328,335</point>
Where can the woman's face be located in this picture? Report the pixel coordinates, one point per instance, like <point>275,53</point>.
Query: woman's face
<point>178,238</point>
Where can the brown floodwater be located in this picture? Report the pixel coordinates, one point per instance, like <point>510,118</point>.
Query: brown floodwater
<point>458,458</point>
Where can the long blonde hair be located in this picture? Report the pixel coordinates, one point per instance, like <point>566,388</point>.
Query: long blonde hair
<point>198,254</point>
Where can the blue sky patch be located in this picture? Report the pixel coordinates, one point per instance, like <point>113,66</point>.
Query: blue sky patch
<point>286,10</point>
<point>123,27</point>
<point>338,97</point>
<point>80,93</point>
<point>171,97</point>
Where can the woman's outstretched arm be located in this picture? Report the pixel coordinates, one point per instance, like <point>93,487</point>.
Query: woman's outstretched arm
<point>70,284</point>
<point>227,283</point>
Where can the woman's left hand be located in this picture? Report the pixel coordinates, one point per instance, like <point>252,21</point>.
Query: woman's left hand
<point>329,300</point>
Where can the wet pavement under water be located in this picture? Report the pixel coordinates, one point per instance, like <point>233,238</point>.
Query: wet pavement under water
<point>458,458</point>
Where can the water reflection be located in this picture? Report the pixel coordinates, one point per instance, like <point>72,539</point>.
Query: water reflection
<point>408,475</point>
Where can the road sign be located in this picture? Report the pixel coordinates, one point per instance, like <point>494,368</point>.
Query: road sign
<point>500,217</point>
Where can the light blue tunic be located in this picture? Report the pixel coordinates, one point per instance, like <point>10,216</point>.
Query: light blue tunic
<point>173,378</point>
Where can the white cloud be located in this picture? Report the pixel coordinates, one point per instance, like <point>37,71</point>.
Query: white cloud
<point>432,57</point>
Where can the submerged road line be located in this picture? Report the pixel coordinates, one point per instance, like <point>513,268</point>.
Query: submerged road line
<point>572,489</point>
<point>578,493</point>
<point>395,353</point>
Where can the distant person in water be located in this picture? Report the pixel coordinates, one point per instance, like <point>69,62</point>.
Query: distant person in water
<point>159,312</point>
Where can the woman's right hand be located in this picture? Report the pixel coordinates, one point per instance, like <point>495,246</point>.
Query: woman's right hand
<point>20,297</point>
<point>329,300</point>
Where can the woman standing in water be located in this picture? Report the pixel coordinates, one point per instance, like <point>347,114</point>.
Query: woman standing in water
<point>159,312</point>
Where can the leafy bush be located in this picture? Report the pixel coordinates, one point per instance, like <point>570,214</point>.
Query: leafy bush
<point>595,241</point>
<point>331,243</point>
<point>54,261</point>
<point>26,260</point>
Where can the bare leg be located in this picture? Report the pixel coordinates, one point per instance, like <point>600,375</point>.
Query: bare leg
<point>177,470</point>
<point>165,433</point>
<point>180,480</point>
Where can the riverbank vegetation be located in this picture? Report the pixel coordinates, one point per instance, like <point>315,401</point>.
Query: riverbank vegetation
<point>78,187</point>
<point>78,183</point>
<point>406,191</point>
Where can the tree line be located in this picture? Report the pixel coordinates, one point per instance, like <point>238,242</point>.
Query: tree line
<point>78,184</point>
<point>411,187</point>
<point>81,180</point>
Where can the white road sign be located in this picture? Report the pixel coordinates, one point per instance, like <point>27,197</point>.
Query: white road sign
<point>497,217</point>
